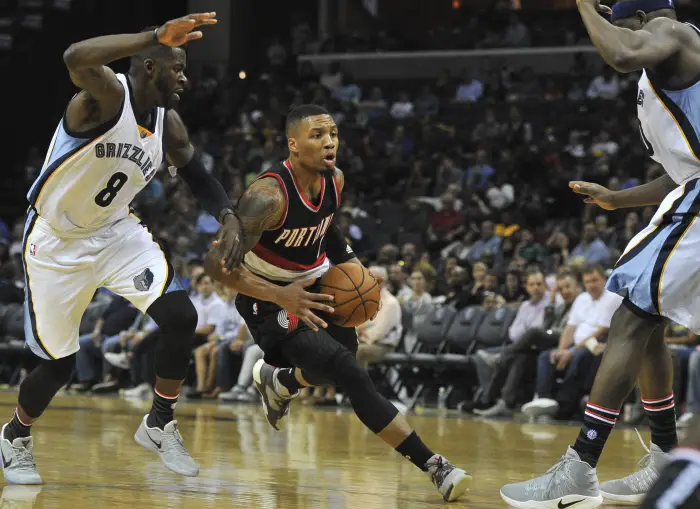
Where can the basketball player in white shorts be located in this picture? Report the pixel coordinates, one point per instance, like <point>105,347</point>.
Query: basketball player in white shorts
<point>658,274</point>
<point>80,236</point>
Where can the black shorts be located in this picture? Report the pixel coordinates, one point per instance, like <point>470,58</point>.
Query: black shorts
<point>270,325</point>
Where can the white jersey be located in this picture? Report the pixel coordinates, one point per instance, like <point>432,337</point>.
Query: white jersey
<point>669,122</point>
<point>89,179</point>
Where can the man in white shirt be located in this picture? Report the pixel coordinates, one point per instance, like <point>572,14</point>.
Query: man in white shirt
<point>579,350</point>
<point>211,316</point>
<point>381,335</point>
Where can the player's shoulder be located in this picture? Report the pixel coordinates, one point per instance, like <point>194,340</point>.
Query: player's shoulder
<point>339,177</point>
<point>669,27</point>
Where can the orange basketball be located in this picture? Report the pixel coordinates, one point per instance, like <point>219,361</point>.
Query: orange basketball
<point>356,294</point>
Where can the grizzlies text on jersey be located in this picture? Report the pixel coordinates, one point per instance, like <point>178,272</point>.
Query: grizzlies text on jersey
<point>89,179</point>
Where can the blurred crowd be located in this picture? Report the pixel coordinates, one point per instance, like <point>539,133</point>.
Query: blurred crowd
<point>455,187</point>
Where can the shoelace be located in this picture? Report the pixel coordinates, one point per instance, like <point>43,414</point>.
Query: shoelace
<point>644,462</point>
<point>173,442</point>
<point>24,457</point>
<point>553,471</point>
<point>439,471</point>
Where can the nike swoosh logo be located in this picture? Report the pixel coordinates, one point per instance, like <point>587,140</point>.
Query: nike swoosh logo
<point>157,444</point>
<point>564,506</point>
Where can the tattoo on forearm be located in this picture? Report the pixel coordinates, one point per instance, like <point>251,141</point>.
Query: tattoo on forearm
<point>260,208</point>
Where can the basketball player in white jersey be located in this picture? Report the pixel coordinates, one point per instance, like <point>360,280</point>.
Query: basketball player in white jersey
<point>658,275</point>
<point>80,236</point>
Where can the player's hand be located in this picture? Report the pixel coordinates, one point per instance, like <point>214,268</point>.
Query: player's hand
<point>603,9</point>
<point>178,31</point>
<point>595,193</point>
<point>297,301</point>
<point>229,241</point>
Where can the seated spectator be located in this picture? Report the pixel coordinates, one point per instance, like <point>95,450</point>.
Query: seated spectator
<point>348,91</point>
<point>537,327</point>
<point>578,356</point>
<point>682,343</point>
<point>605,86</point>
<point>119,317</point>
<point>513,290</point>
<point>397,277</point>
<point>693,392</point>
<point>402,108</point>
<point>487,243</point>
<point>381,335</point>
<point>591,248</point>
<point>470,89</point>
<point>427,103</point>
<point>211,313</point>
<point>418,302</point>
<point>237,355</point>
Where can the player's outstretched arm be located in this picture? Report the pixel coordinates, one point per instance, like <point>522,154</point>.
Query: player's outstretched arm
<point>263,207</point>
<point>629,50</point>
<point>645,195</point>
<point>87,63</point>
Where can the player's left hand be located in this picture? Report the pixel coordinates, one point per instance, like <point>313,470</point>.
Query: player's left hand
<point>229,241</point>
<point>603,9</point>
<point>178,31</point>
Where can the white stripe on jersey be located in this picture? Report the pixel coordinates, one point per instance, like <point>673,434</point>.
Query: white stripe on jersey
<point>265,269</point>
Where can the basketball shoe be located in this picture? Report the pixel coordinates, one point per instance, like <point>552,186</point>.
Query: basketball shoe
<point>168,443</point>
<point>275,405</point>
<point>17,460</point>
<point>570,483</point>
<point>450,481</point>
<point>632,489</point>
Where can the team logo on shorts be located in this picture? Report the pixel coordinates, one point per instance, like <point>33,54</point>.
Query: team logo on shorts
<point>143,281</point>
<point>288,323</point>
<point>255,308</point>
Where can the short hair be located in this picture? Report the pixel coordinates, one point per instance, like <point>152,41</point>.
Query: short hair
<point>567,273</point>
<point>201,277</point>
<point>533,272</point>
<point>159,52</point>
<point>593,267</point>
<point>298,114</point>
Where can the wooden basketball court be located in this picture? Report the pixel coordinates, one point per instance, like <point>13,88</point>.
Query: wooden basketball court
<point>326,459</point>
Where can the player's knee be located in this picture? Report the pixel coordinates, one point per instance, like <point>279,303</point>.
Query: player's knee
<point>61,369</point>
<point>184,317</point>
<point>174,313</point>
<point>349,373</point>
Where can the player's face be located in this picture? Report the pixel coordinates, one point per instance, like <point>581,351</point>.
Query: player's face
<point>170,79</point>
<point>316,143</point>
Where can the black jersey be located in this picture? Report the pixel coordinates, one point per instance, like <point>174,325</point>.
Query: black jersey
<point>296,249</point>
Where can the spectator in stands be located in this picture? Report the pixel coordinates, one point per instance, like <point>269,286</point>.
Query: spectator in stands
<point>478,175</point>
<point>445,224</point>
<point>605,86</point>
<point>348,91</point>
<point>604,145</point>
<point>117,318</point>
<point>517,34</point>
<point>528,338</point>
<point>693,391</point>
<point>418,302</point>
<point>529,251</point>
<point>470,89</point>
<point>402,108</point>
<point>682,343</point>
<point>512,291</point>
<point>487,243</point>
<point>427,103</point>
<point>629,229</point>
<point>211,314</point>
<point>578,355</point>
<point>374,106</point>
<point>397,277</point>
<point>591,248</point>
<point>381,335</point>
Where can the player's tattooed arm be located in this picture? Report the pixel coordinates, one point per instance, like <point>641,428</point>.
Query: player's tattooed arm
<point>631,50</point>
<point>262,207</point>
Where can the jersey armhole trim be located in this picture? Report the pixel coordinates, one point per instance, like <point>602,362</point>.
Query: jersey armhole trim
<point>101,129</point>
<point>338,198</point>
<point>286,197</point>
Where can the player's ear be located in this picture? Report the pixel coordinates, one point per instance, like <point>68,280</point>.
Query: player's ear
<point>292,144</point>
<point>642,18</point>
<point>149,65</point>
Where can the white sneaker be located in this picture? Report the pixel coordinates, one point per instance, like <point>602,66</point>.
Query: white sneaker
<point>142,391</point>
<point>17,460</point>
<point>118,360</point>
<point>541,406</point>
<point>685,419</point>
<point>168,443</point>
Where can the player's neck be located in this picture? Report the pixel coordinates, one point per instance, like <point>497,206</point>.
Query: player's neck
<point>307,179</point>
<point>142,103</point>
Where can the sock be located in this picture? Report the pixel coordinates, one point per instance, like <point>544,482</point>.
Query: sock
<point>17,429</point>
<point>598,422</point>
<point>286,383</point>
<point>162,411</point>
<point>662,421</point>
<point>414,450</point>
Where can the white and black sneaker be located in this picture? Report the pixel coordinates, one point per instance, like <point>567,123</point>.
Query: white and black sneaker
<point>275,405</point>
<point>450,481</point>
<point>168,443</point>
<point>17,459</point>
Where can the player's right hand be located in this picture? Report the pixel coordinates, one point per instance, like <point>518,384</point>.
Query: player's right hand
<point>178,31</point>
<point>297,301</point>
<point>595,193</point>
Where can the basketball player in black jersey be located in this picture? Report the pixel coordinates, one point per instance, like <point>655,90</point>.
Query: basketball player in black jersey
<point>286,232</point>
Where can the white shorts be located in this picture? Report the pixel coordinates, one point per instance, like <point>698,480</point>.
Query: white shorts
<point>659,271</point>
<point>62,275</point>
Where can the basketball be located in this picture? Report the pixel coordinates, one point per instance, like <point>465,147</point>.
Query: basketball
<point>356,293</point>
